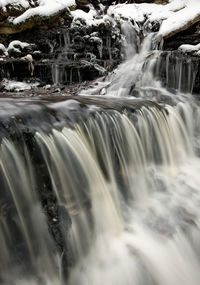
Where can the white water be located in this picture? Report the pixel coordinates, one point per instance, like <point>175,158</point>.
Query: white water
<point>144,202</point>
<point>135,74</point>
<point>130,183</point>
<point>159,173</point>
<point>140,74</point>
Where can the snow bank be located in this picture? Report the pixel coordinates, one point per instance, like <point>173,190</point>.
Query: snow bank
<point>194,49</point>
<point>23,3</point>
<point>90,18</point>
<point>173,17</point>
<point>11,85</point>
<point>142,12</point>
<point>181,19</point>
<point>16,46</point>
<point>46,8</point>
<point>2,48</point>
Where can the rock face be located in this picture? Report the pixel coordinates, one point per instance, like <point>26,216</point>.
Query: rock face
<point>64,54</point>
<point>16,17</point>
<point>182,67</point>
<point>188,36</point>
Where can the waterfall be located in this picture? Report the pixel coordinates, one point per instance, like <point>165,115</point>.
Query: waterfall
<point>94,195</point>
<point>136,74</point>
<point>147,71</point>
<point>128,181</point>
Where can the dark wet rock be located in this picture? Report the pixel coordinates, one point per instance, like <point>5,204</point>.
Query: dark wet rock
<point>189,36</point>
<point>15,69</point>
<point>27,113</point>
<point>83,4</point>
<point>63,55</point>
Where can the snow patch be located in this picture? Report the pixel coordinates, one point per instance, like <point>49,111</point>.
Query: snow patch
<point>2,48</point>
<point>23,3</point>
<point>172,16</point>
<point>46,8</point>
<point>90,18</point>
<point>28,57</point>
<point>195,49</point>
<point>11,85</point>
<point>181,18</point>
<point>15,44</point>
<point>142,12</point>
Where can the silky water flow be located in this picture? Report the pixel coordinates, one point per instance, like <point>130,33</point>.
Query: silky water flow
<point>129,182</point>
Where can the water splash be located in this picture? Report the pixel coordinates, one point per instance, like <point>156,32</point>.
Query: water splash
<point>120,212</point>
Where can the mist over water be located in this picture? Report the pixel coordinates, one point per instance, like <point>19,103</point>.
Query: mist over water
<point>129,182</point>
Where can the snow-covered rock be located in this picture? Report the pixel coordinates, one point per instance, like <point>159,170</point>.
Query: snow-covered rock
<point>182,18</point>
<point>17,46</point>
<point>193,49</point>
<point>91,18</point>
<point>14,48</point>
<point>173,17</point>
<point>19,15</point>
<point>142,12</point>
<point>28,57</point>
<point>17,86</point>
<point>2,49</point>
<point>22,3</point>
<point>46,8</point>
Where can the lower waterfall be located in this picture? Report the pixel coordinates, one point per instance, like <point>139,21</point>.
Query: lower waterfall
<point>128,183</point>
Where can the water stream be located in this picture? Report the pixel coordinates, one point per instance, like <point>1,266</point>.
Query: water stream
<point>121,188</point>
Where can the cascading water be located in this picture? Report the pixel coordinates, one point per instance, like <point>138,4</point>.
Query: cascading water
<point>127,182</point>
<point>144,69</point>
